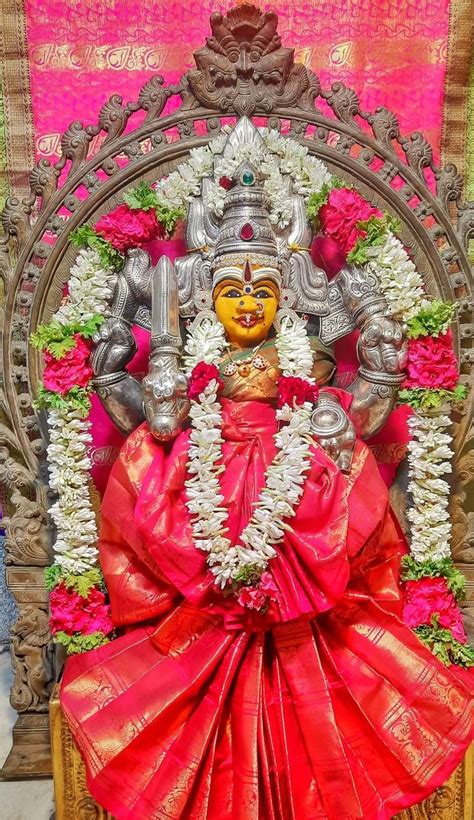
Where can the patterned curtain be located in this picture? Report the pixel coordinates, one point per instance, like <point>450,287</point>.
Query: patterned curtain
<point>60,60</point>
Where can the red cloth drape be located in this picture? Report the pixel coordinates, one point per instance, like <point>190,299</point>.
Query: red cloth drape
<point>327,707</point>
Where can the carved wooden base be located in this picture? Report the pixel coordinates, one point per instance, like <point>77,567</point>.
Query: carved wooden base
<point>30,755</point>
<point>453,801</point>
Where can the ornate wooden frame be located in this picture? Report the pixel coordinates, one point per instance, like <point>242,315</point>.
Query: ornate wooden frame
<point>146,139</point>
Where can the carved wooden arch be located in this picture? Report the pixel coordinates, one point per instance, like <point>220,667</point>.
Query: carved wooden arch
<point>147,139</point>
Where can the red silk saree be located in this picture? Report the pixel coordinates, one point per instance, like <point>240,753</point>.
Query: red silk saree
<point>326,707</point>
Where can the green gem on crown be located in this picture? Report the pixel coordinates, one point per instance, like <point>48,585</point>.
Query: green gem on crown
<point>248,178</point>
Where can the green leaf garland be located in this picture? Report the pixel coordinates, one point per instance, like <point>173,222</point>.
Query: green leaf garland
<point>80,643</point>
<point>376,229</point>
<point>86,237</point>
<point>82,584</point>
<point>444,568</point>
<point>78,398</point>
<point>145,198</point>
<point>423,398</point>
<point>58,339</point>
<point>431,320</point>
<point>444,645</point>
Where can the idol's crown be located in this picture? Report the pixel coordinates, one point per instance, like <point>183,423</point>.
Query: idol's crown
<point>245,232</point>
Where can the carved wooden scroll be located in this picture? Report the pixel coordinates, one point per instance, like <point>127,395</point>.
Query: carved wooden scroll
<point>242,69</point>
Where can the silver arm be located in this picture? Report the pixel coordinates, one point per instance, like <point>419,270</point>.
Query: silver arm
<point>121,394</point>
<point>164,388</point>
<point>381,350</point>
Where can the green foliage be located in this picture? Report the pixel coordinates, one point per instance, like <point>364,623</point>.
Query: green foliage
<point>431,320</point>
<point>53,575</point>
<point>75,399</point>
<point>141,198</point>
<point>376,230</point>
<point>248,575</point>
<point>423,398</point>
<point>444,645</point>
<point>317,200</point>
<point>82,584</point>
<point>86,237</point>
<point>80,643</point>
<point>144,198</point>
<point>58,339</point>
<point>169,217</point>
<point>444,568</point>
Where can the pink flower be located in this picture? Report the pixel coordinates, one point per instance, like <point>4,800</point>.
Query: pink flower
<point>71,370</point>
<point>71,613</point>
<point>432,363</point>
<point>258,597</point>
<point>292,389</point>
<point>201,375</point>
<point>340,216</point>
<point>267,584</point>
<point>126,228</point>
<point>431,596</point>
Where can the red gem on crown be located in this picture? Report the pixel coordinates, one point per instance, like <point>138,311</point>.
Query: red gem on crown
<point>246,232</point>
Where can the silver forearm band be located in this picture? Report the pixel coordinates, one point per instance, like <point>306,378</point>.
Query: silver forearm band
<point>379,377</point>
<point>109,378</point>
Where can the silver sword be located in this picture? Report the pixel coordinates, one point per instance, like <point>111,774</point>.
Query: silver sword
<point>165,402</point>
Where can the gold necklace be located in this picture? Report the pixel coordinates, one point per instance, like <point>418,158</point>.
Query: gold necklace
<point>244,365</point>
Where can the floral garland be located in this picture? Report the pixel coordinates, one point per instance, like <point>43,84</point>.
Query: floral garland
<point>242,566</point>
<point>367,238</point>
<point>433,586</point>
<point>80,616</point>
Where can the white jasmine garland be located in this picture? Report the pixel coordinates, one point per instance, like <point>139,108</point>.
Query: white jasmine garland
<point>429,458</point>
<point>69,465</point>
<point>90,286</point>
<point>284,483</point>
<point>90,290</point>
<point>400,282</point>
<point>281,161</point>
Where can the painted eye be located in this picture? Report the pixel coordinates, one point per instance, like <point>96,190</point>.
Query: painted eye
<point>232,294</point>
<point>262,294</point>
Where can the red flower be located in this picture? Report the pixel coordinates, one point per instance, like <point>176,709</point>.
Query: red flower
<point>292,389</point>
<point>71,613</point>
<point>340,216</point>
<point>126,228</point>
<point>258,597</point>
<point>252,598</point>
<point>71,370</point>
<point>201,375</point>
<point>432,363</point>
<point>431,596</point>
<point>225,182</point>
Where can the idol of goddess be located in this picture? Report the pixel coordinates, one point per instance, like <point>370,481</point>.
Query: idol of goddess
<point>262,669</point>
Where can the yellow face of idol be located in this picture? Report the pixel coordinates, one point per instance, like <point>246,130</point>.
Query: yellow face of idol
<point>247,311</point>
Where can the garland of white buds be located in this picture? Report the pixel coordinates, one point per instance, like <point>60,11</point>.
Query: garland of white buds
<point>429,458</point>
<point>69,468</point>
<point>429,449</point>
<point>284,483</point>
<point>399,280</point>
<point>280,160</point>
<point>90,291</point>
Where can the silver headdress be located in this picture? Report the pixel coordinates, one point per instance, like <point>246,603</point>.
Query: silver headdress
<point>245,238</point>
